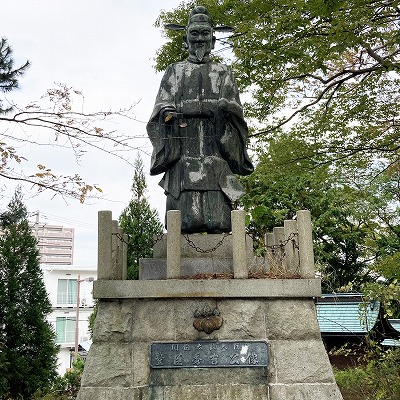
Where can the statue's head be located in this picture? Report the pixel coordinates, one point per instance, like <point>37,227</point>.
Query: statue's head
<point>199,38</point>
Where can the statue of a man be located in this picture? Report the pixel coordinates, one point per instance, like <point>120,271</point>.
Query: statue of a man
<point>199,134</point>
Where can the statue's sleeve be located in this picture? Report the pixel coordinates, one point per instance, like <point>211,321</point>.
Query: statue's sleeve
<point>232,128</point>
<point>163,136</point>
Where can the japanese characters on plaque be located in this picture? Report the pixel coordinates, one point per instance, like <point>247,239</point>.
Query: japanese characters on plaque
<point>208,354</point>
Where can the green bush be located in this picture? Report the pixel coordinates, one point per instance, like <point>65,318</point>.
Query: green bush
<point>379,380</point>
<point>65,387</point>
<point>352,383</point>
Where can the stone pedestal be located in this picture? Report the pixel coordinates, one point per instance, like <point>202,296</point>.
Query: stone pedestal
<point>134,314</point>
<point>162,309</point>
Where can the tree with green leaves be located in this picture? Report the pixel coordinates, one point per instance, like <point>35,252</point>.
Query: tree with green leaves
<point>276,190</point>
<point>8,74</point>
<point>139,222</point>
<point>327,71</point>
<point>28,352</point>
<point>386,242</point>
<point>65,387</point>
<point>323,83</point>
<point>355,214</point>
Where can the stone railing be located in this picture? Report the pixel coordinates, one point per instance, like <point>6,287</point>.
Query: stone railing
<point>112,252</point>
<point>289,249</point>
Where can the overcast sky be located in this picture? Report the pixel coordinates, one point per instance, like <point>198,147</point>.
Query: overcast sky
<point>103,48</point>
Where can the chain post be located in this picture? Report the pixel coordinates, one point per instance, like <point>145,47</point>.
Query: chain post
<point>173,244</point>
<point>239,255</point>
<point>104,259</point>
<point>306,252</point>
<point>291,248</point>
<point>269,250</point>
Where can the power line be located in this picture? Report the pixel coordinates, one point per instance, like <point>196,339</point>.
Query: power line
<point>63,220</point>
<point>69,220</point>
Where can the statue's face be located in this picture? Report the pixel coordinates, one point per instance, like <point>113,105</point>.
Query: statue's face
<point>200,39</point>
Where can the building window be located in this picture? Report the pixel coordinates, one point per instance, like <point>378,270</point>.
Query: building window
<point>55,239</point>
<point>65,329</point>
<point>67,291</point>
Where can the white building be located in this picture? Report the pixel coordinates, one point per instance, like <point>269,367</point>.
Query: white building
<point>55,243</point>
<point>62,286</point>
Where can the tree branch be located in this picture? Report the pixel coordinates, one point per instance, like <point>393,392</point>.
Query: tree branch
<point>333,85</point>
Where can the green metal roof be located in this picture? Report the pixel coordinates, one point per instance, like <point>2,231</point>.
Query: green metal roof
<point>390,342</point>
<point>395,323</point>
<point>346,314</point>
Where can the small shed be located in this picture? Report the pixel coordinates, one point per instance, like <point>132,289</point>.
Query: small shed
<point>346,318</point>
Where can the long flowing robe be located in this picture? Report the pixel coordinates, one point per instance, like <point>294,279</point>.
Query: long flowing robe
<point>206,143</point>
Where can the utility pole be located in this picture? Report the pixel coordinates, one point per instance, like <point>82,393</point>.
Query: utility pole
<point>78,300</point>
<point>37,224</point>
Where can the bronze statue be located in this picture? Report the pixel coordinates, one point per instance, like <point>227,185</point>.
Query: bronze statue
<point>199,134</point>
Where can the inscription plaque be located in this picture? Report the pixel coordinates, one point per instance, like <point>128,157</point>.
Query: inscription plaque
<point>209,354</point>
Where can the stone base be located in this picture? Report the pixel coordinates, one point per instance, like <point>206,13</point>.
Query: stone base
<point>197,257</point>
<point>152,268</point>
<point>118,365</point>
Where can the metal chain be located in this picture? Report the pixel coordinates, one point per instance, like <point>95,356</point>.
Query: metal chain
<point>278,251</point>
<point>291,238</point>
<point>200,250</point>
<point>157,238</point>
<point>121,238</point>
